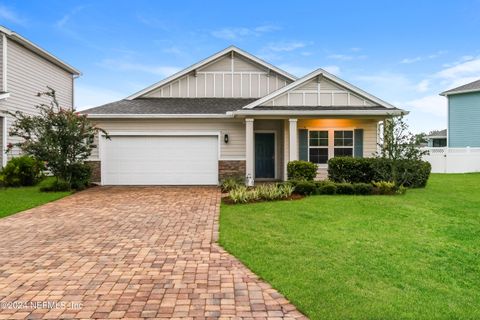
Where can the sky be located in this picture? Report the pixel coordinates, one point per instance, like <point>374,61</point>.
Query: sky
<point>404,52</point>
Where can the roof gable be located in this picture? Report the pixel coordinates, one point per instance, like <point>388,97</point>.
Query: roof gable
<point>231,72</point>
<point>469,87</point>
<point>319,88</point>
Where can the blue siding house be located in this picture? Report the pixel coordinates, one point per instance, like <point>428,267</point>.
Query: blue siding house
<point>464,115</point>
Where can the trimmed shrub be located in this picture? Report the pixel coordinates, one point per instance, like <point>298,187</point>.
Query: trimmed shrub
<point>344,188</point>
<point>22,171</point>
<point>385,187</point>
<point>305,187</point>
<point>326,187</point>
<point>229,184</point>
<point>353,170</point>
<point>54,185</point>
<point>362,188</point>
<point>408,173</point>
<point>81,175</point>
<point>301,170</point>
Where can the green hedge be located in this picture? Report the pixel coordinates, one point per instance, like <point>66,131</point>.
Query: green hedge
<point>407,173</point>
<point>301,170</point>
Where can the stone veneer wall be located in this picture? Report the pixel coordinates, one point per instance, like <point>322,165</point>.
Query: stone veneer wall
<point>231,169</point>
<point>96,171</point>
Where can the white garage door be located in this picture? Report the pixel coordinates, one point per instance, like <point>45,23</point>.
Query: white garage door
<point>160,160</point>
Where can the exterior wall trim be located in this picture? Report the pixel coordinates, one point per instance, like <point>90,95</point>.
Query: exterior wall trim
<point>4,63</point>
<point>4,141</point>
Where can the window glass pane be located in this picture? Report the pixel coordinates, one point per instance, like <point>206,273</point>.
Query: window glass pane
<point>318,155</point>
<point>318,138</point>
<point>343,152</point>
<point>343,138</point>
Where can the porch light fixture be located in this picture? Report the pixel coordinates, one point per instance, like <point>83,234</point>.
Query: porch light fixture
<point>225,138</point>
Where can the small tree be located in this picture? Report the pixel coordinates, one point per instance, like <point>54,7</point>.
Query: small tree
<point>398,142</point>
<point>61,137</point>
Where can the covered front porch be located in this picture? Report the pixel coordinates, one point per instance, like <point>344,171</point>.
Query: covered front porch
<point>272,142</point>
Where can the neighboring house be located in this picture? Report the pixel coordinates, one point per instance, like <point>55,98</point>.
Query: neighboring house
<point>437,138</point>
<point>464,115</point>
<point>233,114</point>
<point>25,70</point>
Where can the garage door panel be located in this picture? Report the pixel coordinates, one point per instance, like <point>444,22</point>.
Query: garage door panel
<point>167,160</point>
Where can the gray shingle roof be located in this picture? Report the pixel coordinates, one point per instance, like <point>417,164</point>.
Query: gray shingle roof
<point>171,106</point>
<point>472,86</point>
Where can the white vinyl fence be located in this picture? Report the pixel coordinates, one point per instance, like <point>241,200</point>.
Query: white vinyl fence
<point>453,160</point>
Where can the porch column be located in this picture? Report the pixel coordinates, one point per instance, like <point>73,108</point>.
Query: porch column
<point>249,152</point>
<point>293,139</point>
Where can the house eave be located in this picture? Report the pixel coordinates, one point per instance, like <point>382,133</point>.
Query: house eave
<point>446,93</point>
<point>250,112</point>
<point>41,52</point>
<point>158,116</point>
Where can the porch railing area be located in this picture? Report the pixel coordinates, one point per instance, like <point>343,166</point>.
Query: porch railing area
<point>453,160</point>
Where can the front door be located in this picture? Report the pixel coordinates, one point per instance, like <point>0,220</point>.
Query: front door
<point>265,155</point>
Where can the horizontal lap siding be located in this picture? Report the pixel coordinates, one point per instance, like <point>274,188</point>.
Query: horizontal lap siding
<point>234,149</point>
<point>29,74</point>
<point>369,127</point>
<point>464,120</point>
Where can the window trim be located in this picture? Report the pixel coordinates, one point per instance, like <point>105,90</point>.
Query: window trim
<point>331,141</point>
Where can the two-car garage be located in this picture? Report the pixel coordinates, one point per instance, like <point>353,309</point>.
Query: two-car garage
<point>160,160</point>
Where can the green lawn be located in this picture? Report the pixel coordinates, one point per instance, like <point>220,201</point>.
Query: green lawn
<point>13,200</point>
<point>415,256</point>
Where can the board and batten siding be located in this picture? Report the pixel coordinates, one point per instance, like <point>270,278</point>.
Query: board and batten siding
<point>464,120</point>
<point>369,127</point>
<point>29,74</point>
<point>319,92</point>
<point>225,77</point>
<point>235,128</point>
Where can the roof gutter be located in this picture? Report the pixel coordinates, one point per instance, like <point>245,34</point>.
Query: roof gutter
<point>41,52</point>
<point>446,93</point>
<point>252,112</point>
<point>159,116</point>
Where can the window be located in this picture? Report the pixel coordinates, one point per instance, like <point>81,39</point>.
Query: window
<point>321,147</point>
<point>343,143</point>
<point>318,146</point>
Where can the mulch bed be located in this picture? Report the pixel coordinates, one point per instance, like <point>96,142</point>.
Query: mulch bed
<point>227,200</point>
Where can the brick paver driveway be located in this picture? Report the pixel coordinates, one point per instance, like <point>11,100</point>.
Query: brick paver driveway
<point>127,252</point>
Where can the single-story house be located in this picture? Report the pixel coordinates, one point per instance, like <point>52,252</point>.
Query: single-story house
<point>464,115</point>
<point>437,139</point>
<point>233,114</point>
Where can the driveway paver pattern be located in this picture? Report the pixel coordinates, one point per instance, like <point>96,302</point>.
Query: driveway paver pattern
<point>128,252</point>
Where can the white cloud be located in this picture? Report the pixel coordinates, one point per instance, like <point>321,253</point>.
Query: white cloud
<point>332,69</point>
<point>285,46</point>
<point>423,85</point>
<point>61,23</point>
<point>463,69</point>
<point>433,104</point>
<point>346,57</point>
<point>11,16</point>
<point>411,60</point>
<point>124,65</point>
<point>92,96</point>
<point>235,33</point>
<point>422,58</point>
<point>298,71</point>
